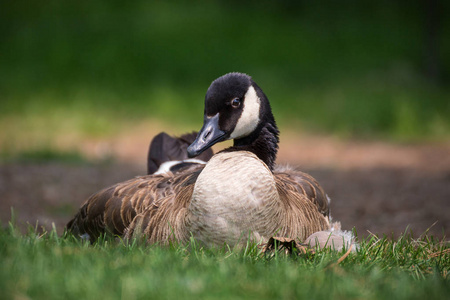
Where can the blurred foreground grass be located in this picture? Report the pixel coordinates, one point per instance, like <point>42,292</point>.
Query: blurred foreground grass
<point>45,266</point>
<point>86,69</point>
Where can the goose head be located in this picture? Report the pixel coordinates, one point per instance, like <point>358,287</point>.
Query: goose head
<point>236,108</point>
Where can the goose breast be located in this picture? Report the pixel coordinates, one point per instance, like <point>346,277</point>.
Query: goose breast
<point>235,195</point>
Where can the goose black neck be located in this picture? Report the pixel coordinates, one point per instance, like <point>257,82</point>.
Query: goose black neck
<point>263,142</point>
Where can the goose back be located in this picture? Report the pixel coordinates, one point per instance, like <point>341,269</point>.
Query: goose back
<point>165,149</point>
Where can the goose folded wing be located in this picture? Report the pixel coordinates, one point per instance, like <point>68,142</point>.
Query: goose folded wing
<point>114,209</point>
<point>305,185</point>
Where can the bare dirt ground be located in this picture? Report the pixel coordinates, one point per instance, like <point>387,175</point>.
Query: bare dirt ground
<point>376,187</point>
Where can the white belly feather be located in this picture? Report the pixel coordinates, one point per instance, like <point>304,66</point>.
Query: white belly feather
<point>234,196</point>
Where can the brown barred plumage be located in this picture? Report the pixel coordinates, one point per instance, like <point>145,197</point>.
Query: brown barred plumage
<point>155,207</point>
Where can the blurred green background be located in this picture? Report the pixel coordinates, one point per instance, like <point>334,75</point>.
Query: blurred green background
<point>357,69</point>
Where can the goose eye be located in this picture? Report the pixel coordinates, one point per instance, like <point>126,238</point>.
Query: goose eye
<point>235,103</point>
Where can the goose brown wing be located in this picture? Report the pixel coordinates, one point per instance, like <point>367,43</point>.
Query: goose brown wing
<point>113,209</point>
<point>306,186</point>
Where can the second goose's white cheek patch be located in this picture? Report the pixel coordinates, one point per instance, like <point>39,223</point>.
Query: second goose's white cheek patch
<point>249,118</point>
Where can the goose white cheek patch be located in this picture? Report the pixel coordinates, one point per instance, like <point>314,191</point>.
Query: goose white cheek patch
<point>249,118</point>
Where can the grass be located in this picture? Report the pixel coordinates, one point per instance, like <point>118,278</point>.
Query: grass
<point>46,266</point>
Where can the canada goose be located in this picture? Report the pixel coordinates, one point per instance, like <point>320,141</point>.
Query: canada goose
<point>168,153</point>
<point>238,195</point>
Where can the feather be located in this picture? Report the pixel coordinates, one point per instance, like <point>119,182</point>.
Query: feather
<point>164,148</point>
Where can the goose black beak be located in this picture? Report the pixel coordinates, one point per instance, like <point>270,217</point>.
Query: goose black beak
<point>209,135</point>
